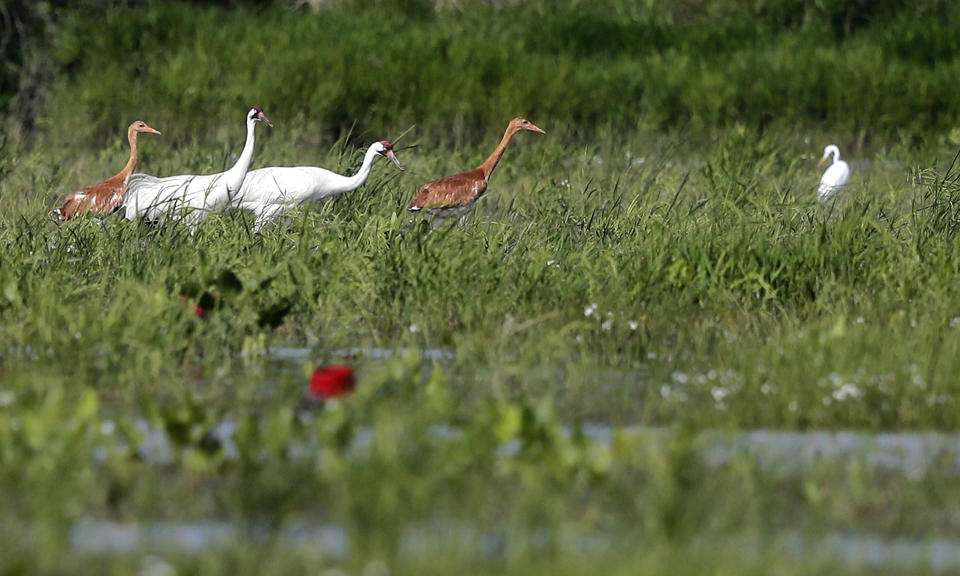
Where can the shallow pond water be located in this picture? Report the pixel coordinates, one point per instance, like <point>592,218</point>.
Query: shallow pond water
<point>911,454</point>
<point>91,536</point>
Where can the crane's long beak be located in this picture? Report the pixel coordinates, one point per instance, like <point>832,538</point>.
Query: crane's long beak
<point>822,160</point>
<point>150,130</point>
<point>263,117</point>
<point>393,158</point>
<point>533,128</point>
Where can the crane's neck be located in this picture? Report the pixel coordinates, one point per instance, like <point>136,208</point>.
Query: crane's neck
<point>357,180</point>
<point>234,176</point>
<point>132,162</point>
<point>494,158</point>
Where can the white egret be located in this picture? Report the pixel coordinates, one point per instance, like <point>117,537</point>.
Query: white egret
<point>836,176</point>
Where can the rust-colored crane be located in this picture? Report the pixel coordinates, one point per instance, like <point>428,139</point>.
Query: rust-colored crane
<point>453,195</point>
<point>104,198</point>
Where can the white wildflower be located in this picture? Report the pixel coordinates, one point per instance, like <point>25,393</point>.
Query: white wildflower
<point>846,391</point>
<point>720,394</point>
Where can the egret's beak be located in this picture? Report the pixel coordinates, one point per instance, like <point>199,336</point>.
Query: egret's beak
<point>263,118</point>
<point>531,127</point>
<point>822,160</point>
<point>393,158</point>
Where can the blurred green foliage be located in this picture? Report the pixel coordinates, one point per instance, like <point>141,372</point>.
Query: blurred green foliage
<point>880,68</point>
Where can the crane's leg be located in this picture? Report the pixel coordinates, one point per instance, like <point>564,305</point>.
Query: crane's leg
<point>438,219</point>
<point>265,215</point>
<point>260,221</point>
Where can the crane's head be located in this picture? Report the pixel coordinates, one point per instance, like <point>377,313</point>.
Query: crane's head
<point>385,149</point>
<point>829,150</point>
<point>256,115</point>
<point>518,124</point>
<point>141,126</point>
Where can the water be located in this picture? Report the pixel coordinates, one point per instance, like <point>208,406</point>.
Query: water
<point>911,454</point>
<point>90,536</point>
<point>298,354</point>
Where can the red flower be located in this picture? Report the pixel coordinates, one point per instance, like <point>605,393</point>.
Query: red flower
<point>331,381</point>
<point>200,312</point>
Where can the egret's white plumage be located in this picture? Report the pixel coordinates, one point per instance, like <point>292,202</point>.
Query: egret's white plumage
<point>189,195</point>
<point>269,191</point>
<point>836,175</point>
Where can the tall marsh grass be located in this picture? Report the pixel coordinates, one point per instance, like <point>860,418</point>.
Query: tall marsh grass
<point>456,69</point>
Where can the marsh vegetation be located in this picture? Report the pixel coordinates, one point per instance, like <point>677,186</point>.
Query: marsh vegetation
<point>540,390</point>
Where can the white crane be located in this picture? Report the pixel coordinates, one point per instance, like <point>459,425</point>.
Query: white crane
<point>269,191</point>
<point>189,195</point>
<point>836,176</point>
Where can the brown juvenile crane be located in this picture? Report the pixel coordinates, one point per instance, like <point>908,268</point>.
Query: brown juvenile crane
<point>107,196</point>
<point>453,195</point>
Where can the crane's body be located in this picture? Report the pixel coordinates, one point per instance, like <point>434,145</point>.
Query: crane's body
<point>105,197</point>
<point>453,195</point>
<point>269,191</point>
<point>835,177</point>
<point>188,195</point>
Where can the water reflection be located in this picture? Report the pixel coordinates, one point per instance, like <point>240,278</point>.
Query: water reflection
<point>296,353</point>
<point>864,550</point>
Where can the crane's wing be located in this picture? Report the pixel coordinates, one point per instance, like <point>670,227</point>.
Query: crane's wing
<point>450,192</point>
<point>288,185</point>
<point>71,206</point>
<point>153,197</point>
<point>103,198</point>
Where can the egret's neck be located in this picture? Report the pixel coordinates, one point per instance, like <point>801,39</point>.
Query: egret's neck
<point>132,162</point>
<point>357,180</point>
<point>836,155</point>
<point>494,158</point>
<point>234,176</point>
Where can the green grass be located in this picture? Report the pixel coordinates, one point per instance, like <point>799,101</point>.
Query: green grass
<point>875,72</point>
<point>725,298</point>
<point>656,261</point>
